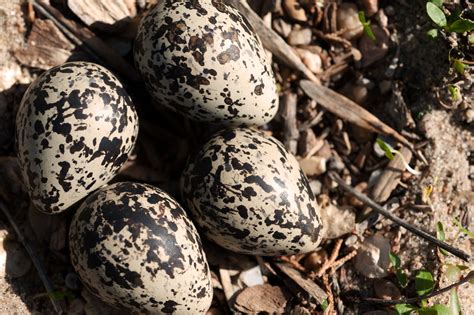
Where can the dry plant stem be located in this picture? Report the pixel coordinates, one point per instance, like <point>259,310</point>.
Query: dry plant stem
<point>35,259</point>
<point>350,111</point>
<point>330,262</point>
<point>226,285</point>
<point>330,309</point>
<point>467,278</point>
<point>415,230</point>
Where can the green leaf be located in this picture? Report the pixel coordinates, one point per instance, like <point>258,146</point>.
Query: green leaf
<point>402,278</point>
<point>454,305</point>
<point>459,66</point>
<point>433,33</point>
<point>470,39</point>
<point>461,26</point>
<point>438,3</point>
<point>61,295</point>
<point>424,282</point>
<point>441,236</point>
<point>385,147</point>
<point>395,260</point>
<point>366,25</point>
<point>437,309</point>
<point>454,92</point>
<point>463,229</point>
<point>436,14</point>
<point>404,309</point>
<point>324,304</point>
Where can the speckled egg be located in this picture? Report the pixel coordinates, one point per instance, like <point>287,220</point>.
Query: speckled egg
<point>75,127</point>
<point>203,59</point>
<point>134,246</point>
<point>249,195</point>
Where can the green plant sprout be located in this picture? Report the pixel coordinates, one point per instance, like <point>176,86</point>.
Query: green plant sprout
<point>453,23</point>
<point>401,276</point>
<point>454,92</point>
<point>390,154</point>
<point>366,25</point>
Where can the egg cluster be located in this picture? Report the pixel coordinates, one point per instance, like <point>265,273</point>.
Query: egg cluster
<point>132,244</point>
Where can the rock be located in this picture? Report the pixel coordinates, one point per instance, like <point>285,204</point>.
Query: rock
<point>311,60</point>
<point>76,307</point>
<point>18,262</point>
<point>281,27</point>
<point>314,260</point>
<point>372,259</point>
<point>336,163</point>
<point>294,10</point>
<point>372,51</point>
<point>300,36</point>
<point>359,94</point>
<point>386,290</point>
<point>252,276</point>
<point>371,6</point>
<point>337,221</point>
<point>10,73</point>
<point>316,186</point>
<point>313,165</point>
<point>382,18</point>
<point>348,18</point>
<point>72,281</point>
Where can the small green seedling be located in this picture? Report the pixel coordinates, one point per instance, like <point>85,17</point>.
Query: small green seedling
<point>366,25</point>
<point>441,236</point>
<point>401,276</point>
<point>390,154</point>
<point>452,23</point>
<point>454,92</point>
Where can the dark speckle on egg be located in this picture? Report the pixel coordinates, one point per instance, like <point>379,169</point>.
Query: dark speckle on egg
<point>249,195</point>
<point>203,59</point>
<point>75,127</point>
<point>134,246</point>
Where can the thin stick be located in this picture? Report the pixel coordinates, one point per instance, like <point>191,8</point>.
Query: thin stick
<point>415,230</point>
<point>419,298</point>
<point>35,259</point>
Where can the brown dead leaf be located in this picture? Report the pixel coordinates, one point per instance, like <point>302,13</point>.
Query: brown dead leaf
<point>262,298</point>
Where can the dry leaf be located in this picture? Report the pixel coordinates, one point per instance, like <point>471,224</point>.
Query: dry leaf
<point>262,298</point>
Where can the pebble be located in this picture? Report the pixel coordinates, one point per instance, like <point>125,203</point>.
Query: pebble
<point>311,60</point>
<point>294,10</point>
<point>359,94</point>
<point>300,36</point>
<point>336,163</point>
<point>348,18</point>
<point>386,290</point>
<point>313,165</point>
<point>18,262</point>
<point>385,86</point>
<point>316,186</point>
<point>372,51</point>
<point>252,276</point>
<point>353,201</point>
<point>72,281</point>
<point>281,27</point>
<point>372,259</point>
<point>337,221</point>
<point>314,260</point>
<point>371,6</point>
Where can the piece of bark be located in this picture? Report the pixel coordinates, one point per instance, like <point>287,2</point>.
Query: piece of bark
<point>291,133</point>
<point>390,177</point>
<point>262,298</point>
<point>46,47</point>
<point>102,15</point>
<point>348,110</point>
<point>87,40</point>
<point>308,285</point>
<point>272,41</point>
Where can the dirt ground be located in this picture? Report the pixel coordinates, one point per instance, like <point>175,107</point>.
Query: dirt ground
<point>406,88</point>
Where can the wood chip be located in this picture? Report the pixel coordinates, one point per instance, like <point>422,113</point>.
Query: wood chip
<point>100,14</point>
<point>47,46</point>
<point>308,285</point>
<point>390,177</point>
<point>288,103</point>
<point>348,110</point>
<point>262,298</point>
